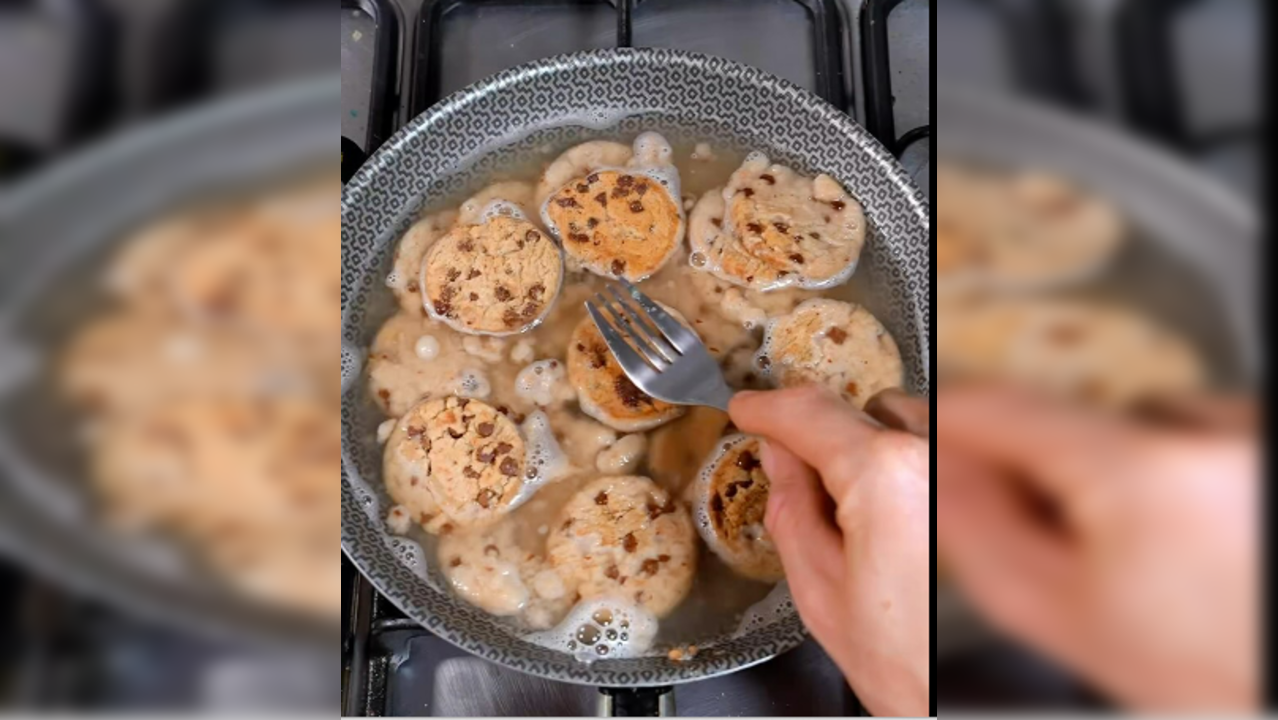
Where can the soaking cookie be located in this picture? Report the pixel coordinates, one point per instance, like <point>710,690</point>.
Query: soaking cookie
<point>831,343</point>
<point>621,221</point>
<point>604,391</point>
<point>492,571</point>
<point>500,277</point>
<point>625,537</point>
<point>579,161</point>
<point>732,498</point>
<point>455,463</point>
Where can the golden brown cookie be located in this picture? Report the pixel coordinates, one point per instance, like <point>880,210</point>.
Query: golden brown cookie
<point>604,391</point>
<point>810,231</point>
<point>625,537</point>
<point>835,344</point>
<point>616,222</point>
<point>455,463</point>
<point>732,499</point>
<point>497,278</point>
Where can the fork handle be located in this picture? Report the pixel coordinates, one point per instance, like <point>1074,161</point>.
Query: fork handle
<point>719,397</point>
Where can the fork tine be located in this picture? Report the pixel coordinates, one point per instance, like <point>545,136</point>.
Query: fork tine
<point>634,364</point>
<point>681,337</point>
<point>654,354</point>
<point>639,319</point>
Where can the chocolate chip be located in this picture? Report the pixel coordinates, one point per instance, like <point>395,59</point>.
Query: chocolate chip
<point>620,192</point>
<point>716,504</point>
<point>754,227</point>
<point>600,356</point>
<point>443,308</point>
<point>512,318</point>
<point>663,558</point>
<point>851,388</point>
<point>717,222</point>
<point>490,550</point>
<point>582,187</point>
<point>838,205</point>
<point>592,178</point>
<point>567,202</point>
<point>781,227</point>
<point>455,434</point>
<point>384,394</point>
<point>836,335</point>
<point>453,274</point>
<point>602,199</point>
<point>625,181</point>
<point>474,297</point>
<point>509,467</point>
<point>447,293</point>
<point>618,266</point>
<point>536,291</point>
<point>602,498</point>
<point>454,562</point>
<point>814,235</point>
<point>486,456</point>
<point>470,472</point>
<point>636,207</point>
<point>504,448</point>
<point>631,396</point>
<point>567,524</point>
<point>467,245</point>
<point>591,223</point>
<point>412,286</point>
<point>485,498</point>
<point>641,188</point>
<point>414,431</point>
<point>579,237</point>
<point>447,528</point>
<point>486,429</point>
<point>746,191</point>
<point>747,461</point>
<point>797,258</point>
<point>530,311</point>
<point>630,543</point>
<point>474,273</point>
<point>502,293</point>
<point>414,481</point>
<point>612,573</point>
<point>768,179</point>
<point>650,566</point>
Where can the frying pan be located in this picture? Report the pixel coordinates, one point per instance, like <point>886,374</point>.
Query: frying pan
<point>56,229</point>
<point>497,124</point>
<point>1190,263</point>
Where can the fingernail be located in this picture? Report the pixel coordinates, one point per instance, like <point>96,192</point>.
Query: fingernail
<point>769,460</point>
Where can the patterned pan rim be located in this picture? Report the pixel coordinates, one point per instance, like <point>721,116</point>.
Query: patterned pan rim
<point>729,656</point>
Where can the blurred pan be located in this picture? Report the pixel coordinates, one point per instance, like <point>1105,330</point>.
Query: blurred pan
<point>1193,251</point>
<point>55,231</point>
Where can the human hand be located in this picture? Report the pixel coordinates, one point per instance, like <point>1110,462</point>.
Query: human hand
<point>849,511</point>
<point>1123,551</point>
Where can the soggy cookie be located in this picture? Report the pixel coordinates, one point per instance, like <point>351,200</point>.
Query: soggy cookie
<point>831,343</point>
<point>604,391</point>
<point>496,278</point>
<point>625,537</point>
<point>455,463</point>
<point>617,223</point>
<point>732,499</point>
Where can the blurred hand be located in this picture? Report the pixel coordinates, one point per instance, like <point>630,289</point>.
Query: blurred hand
<point>849,511</point>
<point>1124,551</point>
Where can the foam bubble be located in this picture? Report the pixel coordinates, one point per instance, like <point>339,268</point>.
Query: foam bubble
<point>384,431</point>
<point>601,628</point>
<point>427,348</point>
<point>499,208</point>
<point>539,381</point>
<point>392,280</point>
<point>472,383</point>
<point>546,460</point>
<point>776,605</point>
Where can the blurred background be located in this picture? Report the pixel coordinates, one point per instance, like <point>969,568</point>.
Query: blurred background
<point>1131,128</point>
<point>76,75</point>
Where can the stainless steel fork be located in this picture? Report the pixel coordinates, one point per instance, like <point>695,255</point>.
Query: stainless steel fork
<point>659,355</point>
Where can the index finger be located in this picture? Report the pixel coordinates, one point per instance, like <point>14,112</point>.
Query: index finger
<point>810,422</point>
<point>1059,448</point>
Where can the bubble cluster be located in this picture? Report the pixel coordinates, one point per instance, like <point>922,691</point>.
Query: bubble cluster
<point>539,381</point>
<point>427,348</point>
<point>599,628</point>
<point>546,460</point>
<point>776,605</point>
<point>500,208</point>
<point>472,383</point>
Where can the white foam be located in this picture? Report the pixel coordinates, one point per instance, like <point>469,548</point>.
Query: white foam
<point>472,383</point>
<point>392,280</point>
<point>601,628</point>
<point>499,208</point>
<point>546,461</point>
<point>776,605</point>
<point>384,430</point>
<point>540,381</point>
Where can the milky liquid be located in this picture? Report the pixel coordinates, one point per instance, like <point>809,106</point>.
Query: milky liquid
<point>720,603</point>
